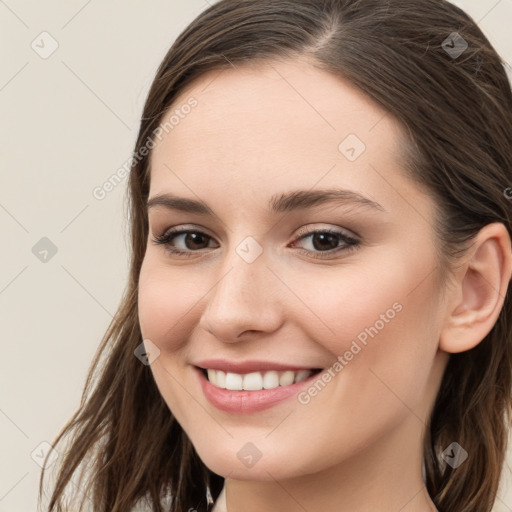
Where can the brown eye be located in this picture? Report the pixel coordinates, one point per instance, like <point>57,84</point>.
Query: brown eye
<point>326,242</point>
<point>192,240</point>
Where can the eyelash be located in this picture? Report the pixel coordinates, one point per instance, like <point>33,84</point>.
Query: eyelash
<point>351,243</point>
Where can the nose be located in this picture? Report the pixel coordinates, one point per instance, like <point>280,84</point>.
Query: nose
<point>246,296</point>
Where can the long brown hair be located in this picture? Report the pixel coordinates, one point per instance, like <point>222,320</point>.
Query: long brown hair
<point>457,111</point>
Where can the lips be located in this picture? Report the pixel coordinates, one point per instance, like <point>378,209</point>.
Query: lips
<point>247,401</point>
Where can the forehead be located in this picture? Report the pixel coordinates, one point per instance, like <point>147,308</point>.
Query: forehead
<point>275,126</point>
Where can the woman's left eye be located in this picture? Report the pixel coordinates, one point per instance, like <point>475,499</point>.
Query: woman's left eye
<point>329,240</point>
<point>324,242</point>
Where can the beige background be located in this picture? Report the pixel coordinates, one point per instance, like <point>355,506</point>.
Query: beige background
<point>69,121</point>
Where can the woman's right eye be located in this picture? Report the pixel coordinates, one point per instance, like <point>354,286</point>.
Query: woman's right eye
<point>189,237</point>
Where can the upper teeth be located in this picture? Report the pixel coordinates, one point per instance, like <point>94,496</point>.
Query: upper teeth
<point>256,380</point>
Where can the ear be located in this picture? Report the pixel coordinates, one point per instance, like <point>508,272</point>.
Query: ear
<point>479,292</point>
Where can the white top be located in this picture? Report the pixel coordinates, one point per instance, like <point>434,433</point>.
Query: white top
<point>220,504</point>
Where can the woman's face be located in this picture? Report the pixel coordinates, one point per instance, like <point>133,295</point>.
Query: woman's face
<point>264,284</point>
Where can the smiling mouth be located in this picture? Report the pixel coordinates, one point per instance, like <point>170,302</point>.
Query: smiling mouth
<point>256,381</point>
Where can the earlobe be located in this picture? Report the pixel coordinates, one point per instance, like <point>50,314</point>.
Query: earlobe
<point>479,291</point>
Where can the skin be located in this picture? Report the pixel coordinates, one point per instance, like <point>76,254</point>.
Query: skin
<point>357,445</point>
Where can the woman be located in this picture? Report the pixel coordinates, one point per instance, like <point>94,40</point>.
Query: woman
<point>318,315</point>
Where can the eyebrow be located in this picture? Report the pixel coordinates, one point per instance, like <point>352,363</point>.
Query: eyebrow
<point>279,203</point>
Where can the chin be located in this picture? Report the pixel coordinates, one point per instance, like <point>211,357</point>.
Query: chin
<point>229,464</point>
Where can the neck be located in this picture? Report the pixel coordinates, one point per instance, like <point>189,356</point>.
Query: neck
<point>386,476</point>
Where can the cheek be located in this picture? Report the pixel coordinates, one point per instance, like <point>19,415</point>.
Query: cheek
<point>346,303</point>
<point>165,308</point>
<point>384,324</point>
<point>166,301</point>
